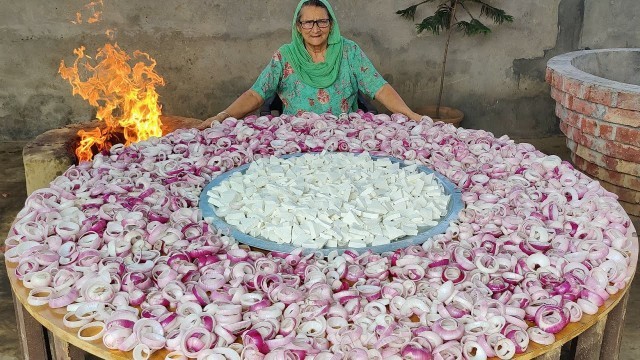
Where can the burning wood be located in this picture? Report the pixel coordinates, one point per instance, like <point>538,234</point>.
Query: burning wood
<point>125,95</point>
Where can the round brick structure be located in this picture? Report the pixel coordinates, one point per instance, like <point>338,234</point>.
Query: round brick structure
<point>597,94</point>
<point>51,153</point>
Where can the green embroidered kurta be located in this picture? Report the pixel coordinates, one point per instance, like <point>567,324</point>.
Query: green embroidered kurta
<point>356,73</point>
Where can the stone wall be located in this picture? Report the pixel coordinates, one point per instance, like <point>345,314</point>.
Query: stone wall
<point>209,52</point>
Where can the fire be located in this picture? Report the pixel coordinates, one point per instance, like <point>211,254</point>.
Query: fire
<point>125,96</point>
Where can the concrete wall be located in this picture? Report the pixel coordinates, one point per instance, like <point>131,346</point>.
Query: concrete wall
<point>209,52</point>
<point>613,23</point>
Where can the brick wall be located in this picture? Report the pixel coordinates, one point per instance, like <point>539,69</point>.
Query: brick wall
<point>601,119</point>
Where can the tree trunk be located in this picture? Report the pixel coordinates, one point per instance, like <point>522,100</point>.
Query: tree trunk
<point>454,4</point>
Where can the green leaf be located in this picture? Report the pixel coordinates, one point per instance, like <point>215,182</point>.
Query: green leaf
<point>498,16</point>
<point>410,12</point>
<point>430,23</point>
<point>441,18</point>
<point>437,22</point>
<point>472,27</point>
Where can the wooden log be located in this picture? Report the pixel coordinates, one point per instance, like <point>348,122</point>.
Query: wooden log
<point>32,334</point>
<point>612,337</point>
<point>65,351</point>
<point>588,344</point>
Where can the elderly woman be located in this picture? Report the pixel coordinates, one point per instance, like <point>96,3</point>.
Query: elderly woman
<point>319,71</point>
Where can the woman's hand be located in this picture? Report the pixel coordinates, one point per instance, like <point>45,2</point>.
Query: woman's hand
<point>214,119</point>
<point>414,116</point>
<point>390,98</point>
<point>248,102</point>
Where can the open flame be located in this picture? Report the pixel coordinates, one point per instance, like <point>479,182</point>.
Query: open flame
<point>125,95</point>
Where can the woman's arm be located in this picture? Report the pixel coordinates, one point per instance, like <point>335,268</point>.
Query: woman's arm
<point>248,102</point>
<point>390,98</point>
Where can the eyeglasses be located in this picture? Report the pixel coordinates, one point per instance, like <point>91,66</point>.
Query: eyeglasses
<point>308,25</point>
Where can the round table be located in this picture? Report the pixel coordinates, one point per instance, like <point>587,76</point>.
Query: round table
<point>593,336</point>
<point>586,339</point>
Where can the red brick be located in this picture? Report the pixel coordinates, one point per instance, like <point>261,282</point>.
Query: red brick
<point>576,135</point>
<point>622,151</point>
<point>556,80</point>
<point>582,165</point>
<point>548,75</point>
<point>604,146</point>
<point>588,126</point>
<point>630,101</point>
<point>606,131</point>
<point>574,118</point>
<point>558,96</point>
<point>613,177</point>
<point>629,182</point>
<point>602,160</point>
<point>585,91</point>
<point>576,104</point>
<point>563,127</point>
<point>584,107</point>
<point>628,199</point>
<point>623,117</point>
<point>570,117</point>
<point>626,195</point>
<point>631,209</point>
<point>603,129</point>
<point>599,94</point>
<point>621,165</point>
<point>628,135</point>
<point>574,87</point>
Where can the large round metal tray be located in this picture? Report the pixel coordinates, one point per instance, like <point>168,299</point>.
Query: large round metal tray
<point>453,208</point>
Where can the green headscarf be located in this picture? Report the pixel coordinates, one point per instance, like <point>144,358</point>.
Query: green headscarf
<point>320,75</point>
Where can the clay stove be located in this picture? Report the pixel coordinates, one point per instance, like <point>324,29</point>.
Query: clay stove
<point>52,153</point>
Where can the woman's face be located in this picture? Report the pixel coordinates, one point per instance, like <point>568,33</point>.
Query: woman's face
<point>316,36</point>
